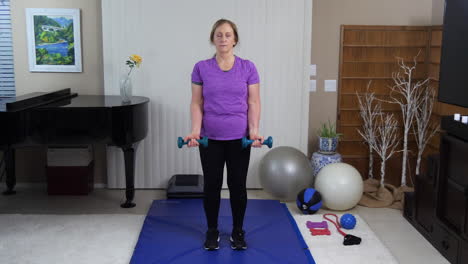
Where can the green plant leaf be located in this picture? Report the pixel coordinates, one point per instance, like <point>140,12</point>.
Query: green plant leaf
<point>328,130</point>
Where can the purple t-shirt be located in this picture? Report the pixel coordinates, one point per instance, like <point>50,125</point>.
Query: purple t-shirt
<point>225,97</point>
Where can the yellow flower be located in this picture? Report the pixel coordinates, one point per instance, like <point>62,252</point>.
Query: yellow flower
<point>133,60</point>
<point>136,59</point>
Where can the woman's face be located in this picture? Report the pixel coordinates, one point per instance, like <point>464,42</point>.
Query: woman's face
<point>224,38</point>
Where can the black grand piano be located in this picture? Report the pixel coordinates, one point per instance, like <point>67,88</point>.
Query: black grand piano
<point>65,118</point>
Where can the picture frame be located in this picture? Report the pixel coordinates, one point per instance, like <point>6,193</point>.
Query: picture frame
<point>54,39</point>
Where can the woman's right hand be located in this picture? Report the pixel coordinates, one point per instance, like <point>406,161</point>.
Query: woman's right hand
<point>192,138</point>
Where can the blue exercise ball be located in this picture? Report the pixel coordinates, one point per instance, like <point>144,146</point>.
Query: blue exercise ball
<point>348,221</point>
<point>309,201</point>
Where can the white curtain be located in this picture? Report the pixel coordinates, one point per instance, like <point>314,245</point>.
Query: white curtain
<point>172,36</point>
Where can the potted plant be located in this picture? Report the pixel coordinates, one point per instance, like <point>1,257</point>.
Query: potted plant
<point>328,138</point>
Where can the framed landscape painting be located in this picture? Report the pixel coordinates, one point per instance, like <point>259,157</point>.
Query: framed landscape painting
<point>54,42</point>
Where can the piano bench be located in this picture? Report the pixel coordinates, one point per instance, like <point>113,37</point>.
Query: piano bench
<point>70,180</point>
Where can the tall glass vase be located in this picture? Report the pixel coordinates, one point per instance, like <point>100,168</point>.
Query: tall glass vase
<point>126,89</point>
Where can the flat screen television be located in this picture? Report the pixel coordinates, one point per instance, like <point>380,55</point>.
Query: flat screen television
<point>453,78</point>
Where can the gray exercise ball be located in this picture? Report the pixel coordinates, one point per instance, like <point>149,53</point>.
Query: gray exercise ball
<point>284,172</point>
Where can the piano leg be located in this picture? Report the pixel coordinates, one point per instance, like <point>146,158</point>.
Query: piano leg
<point>10,171</point>
<point>129,157</point>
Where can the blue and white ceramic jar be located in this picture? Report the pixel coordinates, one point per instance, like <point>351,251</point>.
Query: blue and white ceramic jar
<point>320,160</point>
<point>328,145</point>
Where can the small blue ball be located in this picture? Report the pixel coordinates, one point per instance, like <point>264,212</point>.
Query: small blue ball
<point>348,221</point>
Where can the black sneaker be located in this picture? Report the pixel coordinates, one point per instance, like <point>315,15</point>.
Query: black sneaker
<point>212,239</point>
<point>237,239</point>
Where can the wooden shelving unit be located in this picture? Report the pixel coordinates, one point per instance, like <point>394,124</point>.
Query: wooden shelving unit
<point>368,53</point>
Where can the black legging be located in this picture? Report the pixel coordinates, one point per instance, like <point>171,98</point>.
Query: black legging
<point>237,159</point>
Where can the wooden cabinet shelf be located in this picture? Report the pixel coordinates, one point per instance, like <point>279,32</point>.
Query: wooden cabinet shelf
<point>381,62</point>
<point>362,93</point>
<point>351,140</point>
<point>355,125</point>
<point>374,78</point>
<point>383,46</point>
<point>354,156</point>
<point>357,109</point>
<point>367,78</point>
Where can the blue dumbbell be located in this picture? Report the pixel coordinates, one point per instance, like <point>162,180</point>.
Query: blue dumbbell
<point>247,142</point>
<point>203,142</point>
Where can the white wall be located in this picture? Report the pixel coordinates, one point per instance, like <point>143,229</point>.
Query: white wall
<point>274,34</point>
<point>438,12</point>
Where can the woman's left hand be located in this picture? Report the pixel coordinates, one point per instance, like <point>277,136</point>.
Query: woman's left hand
<point>258,140</point>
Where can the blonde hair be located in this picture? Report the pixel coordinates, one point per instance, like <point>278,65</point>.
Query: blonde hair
<point>221,22</point>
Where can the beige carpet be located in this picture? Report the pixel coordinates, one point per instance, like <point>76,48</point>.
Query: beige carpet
<point>111,239</point>
<point>68,239</point>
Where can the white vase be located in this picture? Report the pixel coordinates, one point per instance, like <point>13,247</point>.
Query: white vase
<point>126,89</point>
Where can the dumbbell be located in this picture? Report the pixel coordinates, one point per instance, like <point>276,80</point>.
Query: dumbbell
<point>247,142</point>
<point>203,142</point>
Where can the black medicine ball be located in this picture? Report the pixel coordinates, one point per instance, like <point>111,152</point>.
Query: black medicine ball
<point>309,201</point>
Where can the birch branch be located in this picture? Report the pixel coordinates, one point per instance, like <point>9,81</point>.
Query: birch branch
<point>369,110</point>
<point>386,141</point>
<point>407,94</point>
<point>423,130</point>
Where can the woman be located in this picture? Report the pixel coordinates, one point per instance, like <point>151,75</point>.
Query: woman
<point>225,107</point>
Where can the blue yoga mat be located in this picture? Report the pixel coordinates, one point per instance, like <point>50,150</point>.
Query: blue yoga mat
<point>174,232</point>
